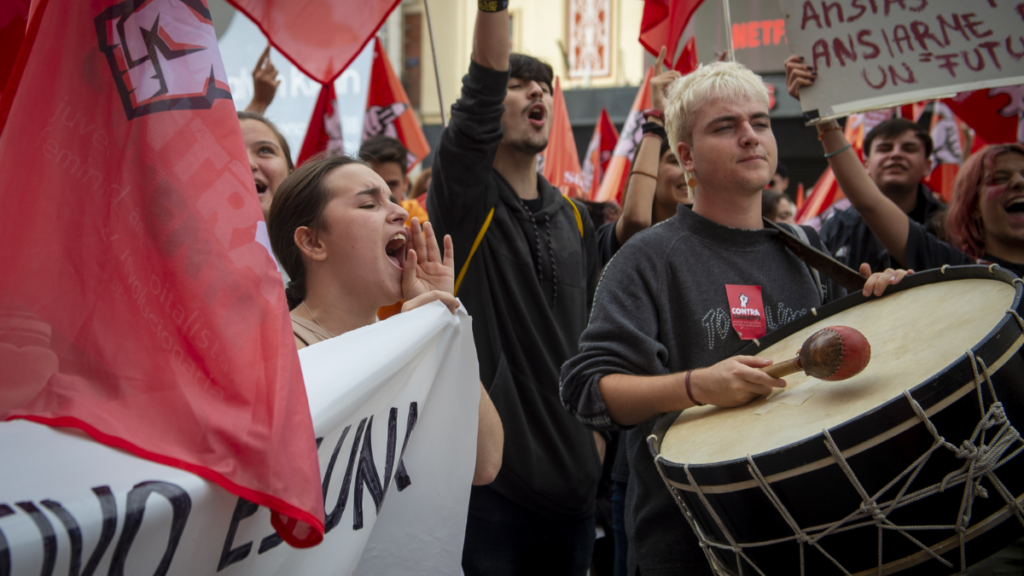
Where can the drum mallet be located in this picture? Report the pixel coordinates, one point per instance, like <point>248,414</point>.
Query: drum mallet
<point>833,353</point>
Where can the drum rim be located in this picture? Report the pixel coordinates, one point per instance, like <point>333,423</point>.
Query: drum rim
<point>945,274</point>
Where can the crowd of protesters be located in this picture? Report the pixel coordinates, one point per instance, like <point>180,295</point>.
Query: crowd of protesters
<point>574,375</point>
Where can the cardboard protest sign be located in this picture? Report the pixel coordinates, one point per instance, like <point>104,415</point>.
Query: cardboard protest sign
<point>394,408</point>
<point>872,54</point>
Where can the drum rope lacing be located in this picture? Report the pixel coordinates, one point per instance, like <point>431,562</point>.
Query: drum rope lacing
<point>983,453</point>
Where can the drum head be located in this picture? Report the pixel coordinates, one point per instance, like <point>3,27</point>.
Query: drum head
<point>914,334</point>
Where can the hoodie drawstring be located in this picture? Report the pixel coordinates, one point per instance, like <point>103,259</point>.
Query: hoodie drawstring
<point>540,254</point>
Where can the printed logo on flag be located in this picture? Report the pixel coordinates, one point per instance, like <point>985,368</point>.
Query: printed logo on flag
<point>163,55</point>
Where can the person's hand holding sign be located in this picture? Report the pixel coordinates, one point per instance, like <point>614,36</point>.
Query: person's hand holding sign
<point>798,75</point>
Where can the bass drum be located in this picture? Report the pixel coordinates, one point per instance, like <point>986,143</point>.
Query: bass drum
<point>912,466</point>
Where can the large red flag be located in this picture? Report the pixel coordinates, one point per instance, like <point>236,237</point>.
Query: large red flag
<point>321,37</point>
<point>324,131</point>
<point>135,302</point>
<point>599,153</point>
<point>561,161</point>
<point>618,169</point>
<point>388,110</point>
<point>663,23</point>
<point>994,113</point>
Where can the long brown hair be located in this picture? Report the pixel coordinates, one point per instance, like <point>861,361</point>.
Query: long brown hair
<point>300,201</point>
<point>965,229</point>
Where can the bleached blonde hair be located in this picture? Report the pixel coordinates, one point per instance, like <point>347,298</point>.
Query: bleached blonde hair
<point>687,95</point>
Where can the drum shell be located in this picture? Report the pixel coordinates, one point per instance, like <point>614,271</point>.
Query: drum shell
<point>815,491</point>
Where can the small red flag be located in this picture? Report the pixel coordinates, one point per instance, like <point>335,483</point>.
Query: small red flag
<point>618,169</point>
<point>321,37</point>
<point>324,131</point>
<point>663,22</point>
<point>599,153</point>
<point>688,60</point>
<point>948,151</point>
<point>561,161</point>
<point>824,194</point>
<point>994,113</point>
<point>388,110</point>
<point>134,292</point>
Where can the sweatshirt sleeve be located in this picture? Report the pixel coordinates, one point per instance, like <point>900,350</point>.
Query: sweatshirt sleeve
<point>464,157</point>
<point>620,339</point>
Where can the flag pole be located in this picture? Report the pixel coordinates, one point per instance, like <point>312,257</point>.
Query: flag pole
<point>728,30</point>
<point>437,72</point>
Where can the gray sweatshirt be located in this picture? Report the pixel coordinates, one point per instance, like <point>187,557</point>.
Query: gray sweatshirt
<point>662,308</point>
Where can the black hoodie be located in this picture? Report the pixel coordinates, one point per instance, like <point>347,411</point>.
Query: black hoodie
<point>529,303</point>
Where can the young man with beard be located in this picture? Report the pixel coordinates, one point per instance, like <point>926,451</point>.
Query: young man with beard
<point>897,155</point>
<point>654,343</point>
<point>526,267</point>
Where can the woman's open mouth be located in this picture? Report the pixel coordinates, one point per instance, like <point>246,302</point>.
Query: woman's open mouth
<point>261,188</point>
<point>395,249</point>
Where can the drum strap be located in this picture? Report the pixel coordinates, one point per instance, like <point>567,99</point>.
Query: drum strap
<point>795,238</point>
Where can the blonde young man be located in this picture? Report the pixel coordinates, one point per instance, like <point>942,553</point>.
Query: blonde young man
<point>660,337</point>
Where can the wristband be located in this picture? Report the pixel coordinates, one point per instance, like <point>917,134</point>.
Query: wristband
<point>642,173</point>
<point>656,129</point>
<point>653,112</point>
<point>840,151</point>
<point>688,392</point>
<point>492,5</point>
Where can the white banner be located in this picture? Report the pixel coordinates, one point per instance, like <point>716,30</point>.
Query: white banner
<point>394,408</point>
<point>872,54</point>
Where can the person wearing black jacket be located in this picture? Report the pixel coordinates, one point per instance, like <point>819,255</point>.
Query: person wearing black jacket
<point>896,154</point>
<point>527,266</point>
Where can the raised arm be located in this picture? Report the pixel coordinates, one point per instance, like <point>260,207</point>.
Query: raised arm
<point>491,44</point>
<point>264,84</point>
<point>459,198</point>
<point>888,222</point>
<point>638,206</point>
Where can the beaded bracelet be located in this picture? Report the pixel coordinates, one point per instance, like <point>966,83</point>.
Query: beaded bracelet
<point>827,130</point>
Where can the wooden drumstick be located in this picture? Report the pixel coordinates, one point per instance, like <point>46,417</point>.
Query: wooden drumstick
<point>833,353</point>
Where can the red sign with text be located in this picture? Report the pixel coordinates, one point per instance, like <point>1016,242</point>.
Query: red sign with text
<point>746,311</point>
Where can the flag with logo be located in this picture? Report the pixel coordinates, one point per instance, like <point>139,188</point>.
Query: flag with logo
<point>561,161</point>
<point>599,153</point>
<point>995,114</point>
<point>622,157</point>
<point>135,302</point>
<point>948,151</point>
<point>321,37</point>
<point>324,131</point>
<point>388,111</point>
<point>663,23</point>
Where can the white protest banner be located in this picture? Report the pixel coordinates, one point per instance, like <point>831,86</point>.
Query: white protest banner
<point>394,408</point>
<point>872,54</point>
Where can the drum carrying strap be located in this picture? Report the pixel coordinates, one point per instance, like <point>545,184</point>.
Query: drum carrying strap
<point>795,238</point>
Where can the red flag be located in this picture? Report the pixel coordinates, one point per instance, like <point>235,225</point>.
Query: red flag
<point>799,195</point>
<point>133,289</point>
<point>994,113</point>
<point>324,131</point>
<point>618,169</point>
<point>913,112</point>
<point>561,161</point>
<point>824,194</point>
<point>388,110</point>
<point>599,153</point>
<point>321,37</point>
<point>663,23</point>
<point>688,60</point>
